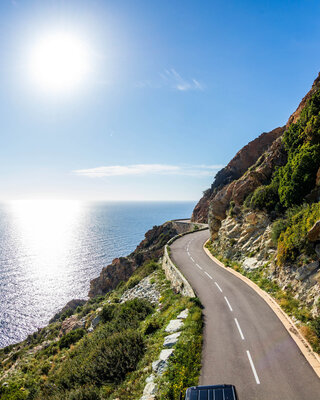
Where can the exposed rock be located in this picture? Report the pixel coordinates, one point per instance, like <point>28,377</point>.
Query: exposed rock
<point>171,340</point>
<point>174,325</point>
<point>307,270</point>
<point>71,324</point>
<point>150,389</point>
<point>70,306</point>
<point>159,366</point>
<point>314,233</point>
<point>166,354</point>
<point>295,116</point>
<point>150,378</point>
<point>222,191</point>
<point>143,290</point>
<point>183,314</point>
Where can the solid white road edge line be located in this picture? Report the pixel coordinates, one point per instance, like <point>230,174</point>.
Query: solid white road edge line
<point>208,274</point>
<point>229,305</point>
<point>198,266</point>
<point>216,283</point>
<point>253,368</point>
<point>239,329</point>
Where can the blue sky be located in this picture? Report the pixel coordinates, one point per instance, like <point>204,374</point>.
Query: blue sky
<point>175,89</point>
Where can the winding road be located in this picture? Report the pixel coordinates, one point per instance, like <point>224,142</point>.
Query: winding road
<point>245,343</point>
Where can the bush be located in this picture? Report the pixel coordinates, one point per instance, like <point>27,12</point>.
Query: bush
<point>278,227</point>
<point>84,393</point>
<point>298,176</point>
<point>293,241</point>
<point>107,313</point>
<point>104,360</point>
<point>151,327</point>
<point>265,198</point>
<point>71,338</point>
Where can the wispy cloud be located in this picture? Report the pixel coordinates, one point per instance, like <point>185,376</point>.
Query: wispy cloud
<point>172,78</point>
<point>148,169</point>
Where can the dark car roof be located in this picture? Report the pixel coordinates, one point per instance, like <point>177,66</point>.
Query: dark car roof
<point>217,392</point>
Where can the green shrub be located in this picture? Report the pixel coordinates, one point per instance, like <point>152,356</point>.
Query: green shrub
<point>298,176</point>
<point>278,227</point>
<point>107,313</point>
<point>71,338</point>
<point>316,326</point>
<point>106,360</point>
<point>293,241</point>
<point>84,393</point>
<point>265,197</point>
<point>151,327</point>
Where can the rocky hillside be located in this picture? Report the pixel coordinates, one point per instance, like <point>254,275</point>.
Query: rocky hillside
<point>151,248</point>
<point>262,207</point>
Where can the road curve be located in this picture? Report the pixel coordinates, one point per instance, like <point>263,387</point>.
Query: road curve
<point>245,343</point>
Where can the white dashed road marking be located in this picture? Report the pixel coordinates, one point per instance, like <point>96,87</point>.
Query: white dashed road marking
<point>208,274</point>
<point>218,286</point>
<point>239,329</point>
<point>198,266</point>
<point>253,368</point>
<point>229,305</point>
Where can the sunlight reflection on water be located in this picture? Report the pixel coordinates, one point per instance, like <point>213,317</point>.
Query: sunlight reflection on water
<point>50,250</point>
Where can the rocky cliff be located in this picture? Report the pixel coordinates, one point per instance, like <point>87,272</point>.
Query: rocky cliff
<point>224,188</point>
<point>262,205</point>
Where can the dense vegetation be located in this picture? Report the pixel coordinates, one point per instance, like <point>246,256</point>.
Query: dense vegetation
<point>112,361</point>
<point>288,196</point>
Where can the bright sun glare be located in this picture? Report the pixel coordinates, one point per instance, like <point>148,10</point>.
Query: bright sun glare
<point>59,62</point>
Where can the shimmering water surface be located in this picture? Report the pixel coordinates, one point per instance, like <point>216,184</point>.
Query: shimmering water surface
<point>50,250</point>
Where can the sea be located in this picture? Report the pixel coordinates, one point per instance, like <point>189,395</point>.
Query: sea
<point>51,249</point>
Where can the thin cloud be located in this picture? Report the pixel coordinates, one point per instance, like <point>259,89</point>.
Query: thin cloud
<point>148,169</point>
<point>173,79</point>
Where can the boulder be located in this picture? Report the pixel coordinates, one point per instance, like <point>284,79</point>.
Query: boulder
<point>171,340</point>
<point>307,270</point>
<point>183,314</point>
<point>71,324</point>
<point>174,325</point>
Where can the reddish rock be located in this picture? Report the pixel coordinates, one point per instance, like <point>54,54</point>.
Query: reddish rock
<point>296,115</point>
<point>237,167</point>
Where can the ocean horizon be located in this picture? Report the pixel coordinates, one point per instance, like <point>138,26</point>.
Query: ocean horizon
<point>50,250</point>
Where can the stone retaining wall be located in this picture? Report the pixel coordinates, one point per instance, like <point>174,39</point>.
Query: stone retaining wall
<point>178,282</point>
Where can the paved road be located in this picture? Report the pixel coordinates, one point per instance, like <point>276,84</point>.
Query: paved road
<point>244,341</point>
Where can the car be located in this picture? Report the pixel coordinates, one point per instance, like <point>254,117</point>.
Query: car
<point>213,392</point>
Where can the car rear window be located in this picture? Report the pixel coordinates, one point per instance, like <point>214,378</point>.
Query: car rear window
<point>212,394</point>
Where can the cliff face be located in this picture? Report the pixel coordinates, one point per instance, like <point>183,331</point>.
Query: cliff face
<point>273,170</point>
<point>223,188</point>
<point>252,166</point>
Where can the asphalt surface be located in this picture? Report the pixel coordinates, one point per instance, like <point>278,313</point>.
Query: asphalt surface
<point>245,343</point>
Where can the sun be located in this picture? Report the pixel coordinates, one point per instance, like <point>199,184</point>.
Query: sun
<point>59,62</point>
